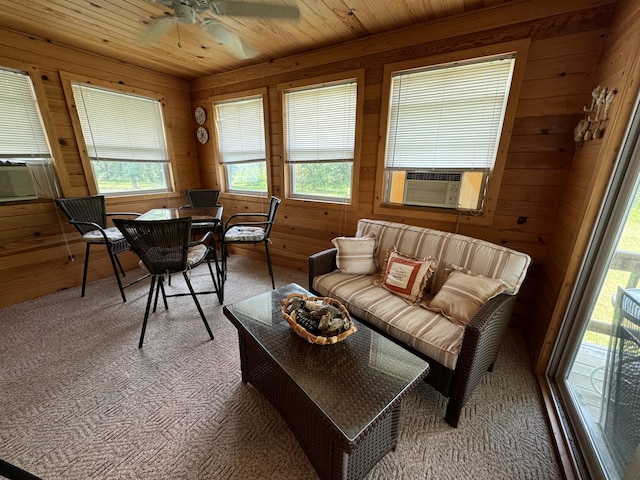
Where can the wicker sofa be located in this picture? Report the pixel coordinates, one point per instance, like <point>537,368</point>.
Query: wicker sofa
<point>460,350</point>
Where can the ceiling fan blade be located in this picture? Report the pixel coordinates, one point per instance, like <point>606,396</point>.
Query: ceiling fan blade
<point>166,3</point>
<point>230,40</point>
<point>253,9</point>
<point>156,29</point>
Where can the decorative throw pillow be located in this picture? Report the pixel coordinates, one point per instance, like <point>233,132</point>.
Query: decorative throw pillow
<point>406,276</point>
<point>356,255</point>
<point>462,295</point>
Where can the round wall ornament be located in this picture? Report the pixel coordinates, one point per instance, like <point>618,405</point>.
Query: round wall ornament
<point>201,115</point>
<point>203,135</point>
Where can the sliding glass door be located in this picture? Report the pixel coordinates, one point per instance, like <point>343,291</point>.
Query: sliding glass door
<point>595,370</point>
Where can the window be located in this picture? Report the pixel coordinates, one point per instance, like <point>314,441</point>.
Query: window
<point>320,133</point>
<point>26,167</point>
<point>444,126</point>
<point>125,140</point>
<point>241,145</point>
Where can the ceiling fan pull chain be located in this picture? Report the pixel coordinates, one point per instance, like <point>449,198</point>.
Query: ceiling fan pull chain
<point>178,29</point>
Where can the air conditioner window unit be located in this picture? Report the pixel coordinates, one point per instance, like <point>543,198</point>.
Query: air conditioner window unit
<point>16,183</point>
<point>432,189</point>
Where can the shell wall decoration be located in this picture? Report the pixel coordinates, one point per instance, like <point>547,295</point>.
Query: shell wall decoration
<point>593,125</point>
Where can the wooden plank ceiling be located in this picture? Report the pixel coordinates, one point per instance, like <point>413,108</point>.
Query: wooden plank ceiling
<point>121,29</point>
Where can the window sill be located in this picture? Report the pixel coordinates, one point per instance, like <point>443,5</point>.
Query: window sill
<point>121,198</point>
<point>431,213</point>
<point>20,201</point>
<point>321,203</point>
<point>235,195</point>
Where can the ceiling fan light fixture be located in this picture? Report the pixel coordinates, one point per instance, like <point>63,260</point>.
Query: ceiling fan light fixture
<point>192,12</point>
<point>184,13</point>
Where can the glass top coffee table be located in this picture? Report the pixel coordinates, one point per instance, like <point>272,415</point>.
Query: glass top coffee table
<point>341,401</point>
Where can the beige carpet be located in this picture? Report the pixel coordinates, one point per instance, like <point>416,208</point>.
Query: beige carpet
<point>79,400</point>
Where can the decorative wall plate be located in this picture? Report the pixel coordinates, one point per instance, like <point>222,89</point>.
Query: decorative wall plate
<point>201,115</point>
<point>203,135</point>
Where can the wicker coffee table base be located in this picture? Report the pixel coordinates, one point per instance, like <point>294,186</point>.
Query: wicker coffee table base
<point>331,454</point>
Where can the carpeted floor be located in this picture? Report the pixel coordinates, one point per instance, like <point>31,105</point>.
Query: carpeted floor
<point>79,400</point>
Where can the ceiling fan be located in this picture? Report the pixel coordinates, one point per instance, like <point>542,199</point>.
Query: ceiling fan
<point>191,12</point>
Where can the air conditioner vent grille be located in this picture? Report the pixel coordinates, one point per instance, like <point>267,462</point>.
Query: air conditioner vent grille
<point>432,189</point>
<point>437,176</point>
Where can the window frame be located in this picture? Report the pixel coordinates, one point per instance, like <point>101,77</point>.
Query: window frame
<point>68,80</point>
<point>353,75</point>
<point>520,48</point>
<point>217,156</point>
<point>37,82</point>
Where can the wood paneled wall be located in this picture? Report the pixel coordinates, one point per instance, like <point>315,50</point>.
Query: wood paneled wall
<point>587,180</point>
<point>40,252</point>
<point>567,42</point>
<point>547,195</point>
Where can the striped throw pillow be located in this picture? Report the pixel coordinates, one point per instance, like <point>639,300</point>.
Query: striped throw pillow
<point>356,255</point>
<point>462,295</point>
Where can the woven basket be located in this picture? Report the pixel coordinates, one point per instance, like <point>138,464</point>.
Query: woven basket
<point>309,337</point>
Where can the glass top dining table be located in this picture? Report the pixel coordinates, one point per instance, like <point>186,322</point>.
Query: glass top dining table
<point>209,217</point>
<point>209,214</point>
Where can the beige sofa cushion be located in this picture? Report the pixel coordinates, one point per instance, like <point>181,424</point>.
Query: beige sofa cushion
<point>477,256</point>
<point>426,331</point>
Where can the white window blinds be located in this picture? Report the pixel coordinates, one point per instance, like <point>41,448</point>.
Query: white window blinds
<point>448,116</point>
<point>320,123</point>
<point>241,134</point>
<point>120,127</point>
<point>22,136</point>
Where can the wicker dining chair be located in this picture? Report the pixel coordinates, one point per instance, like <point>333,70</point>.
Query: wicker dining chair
<point>622,416</point>
<point>250,228</point>
<point>203,198</point>
<point>89,216</point>
<point>164,248</point>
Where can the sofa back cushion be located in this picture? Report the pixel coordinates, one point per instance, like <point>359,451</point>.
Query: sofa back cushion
<point>478,257</point>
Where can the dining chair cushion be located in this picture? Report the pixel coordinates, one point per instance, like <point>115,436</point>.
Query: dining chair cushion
<point>210,225</point>
<point>196,254</point>
<point>244,234</point>
<point>95,236</point>
<point>143,267</point>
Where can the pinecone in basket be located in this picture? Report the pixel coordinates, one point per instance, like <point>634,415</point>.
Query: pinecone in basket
<point>318,318</point>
